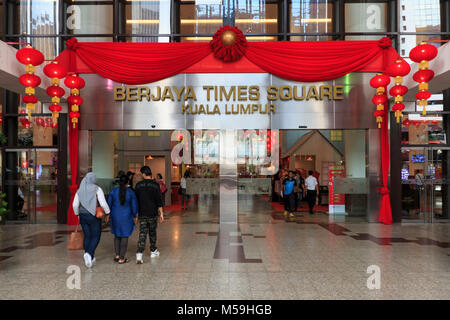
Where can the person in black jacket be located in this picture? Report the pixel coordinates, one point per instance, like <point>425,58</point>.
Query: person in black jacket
<point>149,197</point>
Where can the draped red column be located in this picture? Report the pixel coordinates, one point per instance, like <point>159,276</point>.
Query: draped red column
<point>385,207</point>
<point>72,219</point>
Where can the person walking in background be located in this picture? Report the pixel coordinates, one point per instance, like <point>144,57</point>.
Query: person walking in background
<point>124,211</point>
<point>150,203</point>
<point>316,175</point>
<point>288,193</point>
<point>300,189</point>
<point>85,206</point>
<point>130,176</point>
<point>312,188</point>
<point>162,186</point>
<point>183,185</point>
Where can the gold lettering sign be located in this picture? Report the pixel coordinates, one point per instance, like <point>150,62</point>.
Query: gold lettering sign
<point>230,96</point>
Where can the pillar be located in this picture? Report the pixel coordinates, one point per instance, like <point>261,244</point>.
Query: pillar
<point>228,177</point>
<point>11,106</point>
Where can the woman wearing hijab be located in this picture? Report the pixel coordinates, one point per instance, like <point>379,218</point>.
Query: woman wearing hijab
<point>84,206</point>
<point>124,211</point>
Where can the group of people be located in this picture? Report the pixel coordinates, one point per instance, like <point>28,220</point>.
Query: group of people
<point>295,188</point>
<point>126,208</point>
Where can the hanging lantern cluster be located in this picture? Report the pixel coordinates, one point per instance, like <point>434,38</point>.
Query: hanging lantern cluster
<point>55,72</point>
<point>75,83</point>
<point>398,70</point>
<point>24,121</point>
<point>31,58</point>
<point>422,54</point>
<point>407,122</point>
<point>380,82</point>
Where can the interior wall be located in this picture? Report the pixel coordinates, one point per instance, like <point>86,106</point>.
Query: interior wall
<point>103,155</point>
<point>355,153</point>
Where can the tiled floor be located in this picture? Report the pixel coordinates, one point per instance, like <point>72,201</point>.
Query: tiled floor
<point>307,257</point>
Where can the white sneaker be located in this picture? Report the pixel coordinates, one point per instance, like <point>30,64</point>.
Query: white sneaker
<point>154,253</point>
<point>139,259</point>
<point>93,261</point>
<point>87,260</point>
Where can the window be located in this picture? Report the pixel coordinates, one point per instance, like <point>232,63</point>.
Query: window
<point>134,133</point>
<point>154,133</point>
<point>257,16</point>
<point>366,17</point>
<point>336,135</point>
<point>148,17</point>
<point>311,17</point>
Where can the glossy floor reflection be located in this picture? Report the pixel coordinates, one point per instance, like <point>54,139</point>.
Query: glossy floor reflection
<point>265,256</point>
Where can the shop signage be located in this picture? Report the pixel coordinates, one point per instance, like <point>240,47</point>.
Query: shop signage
<point>229,99</point>
<point>336,202</point>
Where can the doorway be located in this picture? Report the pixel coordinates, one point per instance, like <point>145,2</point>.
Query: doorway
<point>35,184</point>
<point>425,183</point>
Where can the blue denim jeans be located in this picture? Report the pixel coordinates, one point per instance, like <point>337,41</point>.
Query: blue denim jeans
<point>92,230</point>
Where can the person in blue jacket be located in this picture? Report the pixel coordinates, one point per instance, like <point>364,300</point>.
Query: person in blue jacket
<point>124,212</point>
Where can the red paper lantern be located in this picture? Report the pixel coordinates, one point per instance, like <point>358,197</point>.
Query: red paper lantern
<point>55,70</point>
<point>74,82</point>
<point>30,80</point>
<point>380,80</point>
<point>423,95</point>
<point>406,122</point>
<point>399,68</point>
<point>55,108</point>
<point>39,121</point>
<point>423,75</point>
<point>398,107</point>
<point>55,91</point>
<point>29,99</point>
<point>73,114</point>
<point>423,52</point>
<point>75,100</point>
<point>398,90</point>
<point>29,55</point>
<point>380,99</point>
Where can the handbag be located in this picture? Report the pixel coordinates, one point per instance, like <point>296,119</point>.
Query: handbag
<point>76,240</point>
<point>99,211</point>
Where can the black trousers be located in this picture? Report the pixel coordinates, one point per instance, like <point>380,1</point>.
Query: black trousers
<point>311,197</point>
<point>289,202</point>
<point>20,203</point>
<point>120,246</point>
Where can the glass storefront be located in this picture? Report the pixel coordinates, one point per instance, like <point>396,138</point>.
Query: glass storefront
<point>253,163</point>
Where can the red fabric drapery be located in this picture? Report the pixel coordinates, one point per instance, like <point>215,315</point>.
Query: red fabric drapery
<point>385,215</point>
<point>141,63</point>
<point>72,219</point>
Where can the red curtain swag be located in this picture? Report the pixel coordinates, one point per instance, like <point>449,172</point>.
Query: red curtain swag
<point>72,219</point>
<point>142,63</point>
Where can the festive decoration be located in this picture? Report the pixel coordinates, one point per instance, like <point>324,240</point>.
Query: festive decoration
<point>380,82</point>
<point>303,61</point>
<point>228,44</point>
<point>398,70</point>
<point>75,83</point>
<point>31,58</point>
<point>55,72</point>
<point>422,54</point>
